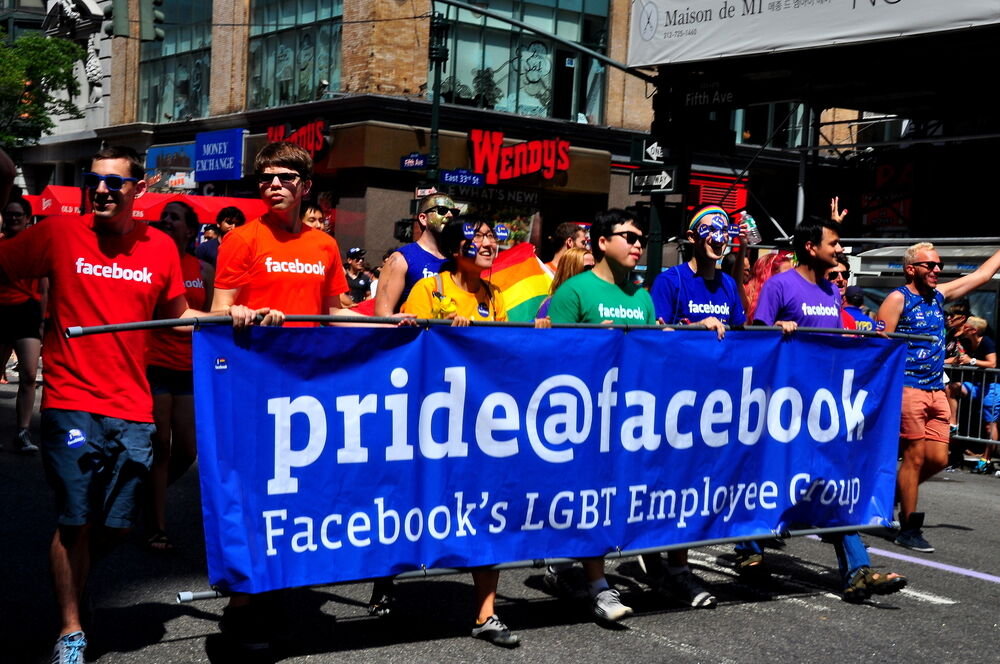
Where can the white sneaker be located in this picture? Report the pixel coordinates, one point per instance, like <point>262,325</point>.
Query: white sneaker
<point>608,606</point>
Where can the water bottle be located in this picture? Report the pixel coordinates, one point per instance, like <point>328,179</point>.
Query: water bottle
<point>753,233</point>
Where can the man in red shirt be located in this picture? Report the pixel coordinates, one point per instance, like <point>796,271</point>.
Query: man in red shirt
<point>103,268</point>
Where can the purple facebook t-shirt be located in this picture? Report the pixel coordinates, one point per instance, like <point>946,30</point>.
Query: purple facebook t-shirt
<point>788,296</point>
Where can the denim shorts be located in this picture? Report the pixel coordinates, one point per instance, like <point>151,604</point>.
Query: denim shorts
<point>96,465</point>
<point>169,381</point>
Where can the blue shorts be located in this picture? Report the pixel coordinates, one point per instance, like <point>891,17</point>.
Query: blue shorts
<point>991,403</point>
<point>96,465</point>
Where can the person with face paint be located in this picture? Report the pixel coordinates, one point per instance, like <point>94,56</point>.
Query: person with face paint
<point>696,292</point>
<point>418,260</point>
<point>169,371</point>
<point>460,293</point>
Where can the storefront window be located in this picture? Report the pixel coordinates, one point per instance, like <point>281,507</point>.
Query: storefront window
<point>294,51</point>
<point>174,73</point>
<point>497,66</point>
<point>755,124</point>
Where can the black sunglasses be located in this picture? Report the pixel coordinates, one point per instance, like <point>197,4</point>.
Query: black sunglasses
<point>929,265</point>
<point>836,275</point>
<point>113,182</point>
<point>284,178</point>
<point>442,210</point>
<point>632,237</point>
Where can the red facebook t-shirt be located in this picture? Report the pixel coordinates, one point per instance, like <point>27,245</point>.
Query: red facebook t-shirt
<point>170,348</point>
<point>96,280</point>
<point>295,273</point>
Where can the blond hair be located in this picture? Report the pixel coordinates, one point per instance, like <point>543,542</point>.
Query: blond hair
<point>910,255</point>
<point>977,324</point>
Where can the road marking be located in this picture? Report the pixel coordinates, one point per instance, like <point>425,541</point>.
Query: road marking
<point>927,597</point>
<point>982,576</point>
<point>686,648</point>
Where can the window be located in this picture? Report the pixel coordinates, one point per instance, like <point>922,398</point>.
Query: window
<point>294,51</point>
<point>495,65</point>
<point>174,73</point>
<point>755,124</point>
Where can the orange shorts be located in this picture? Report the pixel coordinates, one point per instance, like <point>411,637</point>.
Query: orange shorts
<point>925,415</point>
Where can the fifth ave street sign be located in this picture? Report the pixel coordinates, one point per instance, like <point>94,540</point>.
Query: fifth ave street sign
<point>652,181</point>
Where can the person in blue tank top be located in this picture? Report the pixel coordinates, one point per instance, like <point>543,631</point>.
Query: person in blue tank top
<point>918,308</point>
<point>415,261</point>
<point>695,291</point>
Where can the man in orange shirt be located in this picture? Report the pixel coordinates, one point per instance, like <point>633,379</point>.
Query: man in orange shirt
<point>277,258</point>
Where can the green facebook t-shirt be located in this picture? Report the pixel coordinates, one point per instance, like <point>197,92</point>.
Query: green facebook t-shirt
<point>586,298</point>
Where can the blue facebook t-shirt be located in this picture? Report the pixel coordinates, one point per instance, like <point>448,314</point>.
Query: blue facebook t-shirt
<point>679,294</point>
<point>420,264</point>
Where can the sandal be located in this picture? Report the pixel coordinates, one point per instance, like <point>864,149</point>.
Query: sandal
<point>749,563</point>
<point>864,583</point>
<point>158,541</point>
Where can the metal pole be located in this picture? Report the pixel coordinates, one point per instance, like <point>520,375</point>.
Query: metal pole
<point>541,563</point>
<point>437,52</point>
<point>73,332</point>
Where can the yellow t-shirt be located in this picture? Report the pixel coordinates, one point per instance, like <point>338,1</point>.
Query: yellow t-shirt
<point>425,302</point>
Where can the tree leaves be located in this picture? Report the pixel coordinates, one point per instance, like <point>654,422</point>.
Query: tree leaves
<point>38,82</point>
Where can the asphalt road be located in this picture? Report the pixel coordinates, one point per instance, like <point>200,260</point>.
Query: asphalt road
<point>947,614</point>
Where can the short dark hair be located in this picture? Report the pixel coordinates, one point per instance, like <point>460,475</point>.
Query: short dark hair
<point>604,225</point>
<point>310,207</point>
<point>25,205</point>
<point>135,166</point>
<point>810,229</point>
<point>453,235</point>
<point>960,307</point>
<point>281,153</point>
<point>231,212</point>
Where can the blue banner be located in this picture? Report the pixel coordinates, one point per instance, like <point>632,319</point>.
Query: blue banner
<point>333,454</point>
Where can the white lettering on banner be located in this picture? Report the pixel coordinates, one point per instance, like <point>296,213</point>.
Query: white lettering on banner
<point>708,308</point>
<point>114,271</point>
<point>558,416</point>
<point>294,267</point>
<point>383,524</point>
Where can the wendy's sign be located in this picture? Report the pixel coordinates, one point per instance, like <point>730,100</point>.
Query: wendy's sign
<point>499,162</point>
<point>310,137</point>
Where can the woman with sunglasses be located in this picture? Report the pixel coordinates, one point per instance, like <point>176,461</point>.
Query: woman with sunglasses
<point>460,293</point>
<point>168,369</point>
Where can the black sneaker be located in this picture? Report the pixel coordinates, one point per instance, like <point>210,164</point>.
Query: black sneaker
<point>380,604</point>
<point>23,443</point>
<point>496,632</point>
<point>911,536</point>
<point>247,626</point>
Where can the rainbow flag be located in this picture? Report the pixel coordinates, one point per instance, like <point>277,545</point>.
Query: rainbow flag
<point>524,280</point>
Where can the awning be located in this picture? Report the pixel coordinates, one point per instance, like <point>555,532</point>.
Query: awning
<point>58,199</point>
<point>34,201</point>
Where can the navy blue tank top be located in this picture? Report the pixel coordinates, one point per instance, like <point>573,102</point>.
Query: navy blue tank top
<point>420,263</point>
<point>924,359</point>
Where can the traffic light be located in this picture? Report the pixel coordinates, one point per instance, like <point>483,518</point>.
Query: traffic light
<point>150,20</point>
<point>116,19</point>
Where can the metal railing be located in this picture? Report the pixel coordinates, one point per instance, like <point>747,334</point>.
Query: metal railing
<point>981,389</point>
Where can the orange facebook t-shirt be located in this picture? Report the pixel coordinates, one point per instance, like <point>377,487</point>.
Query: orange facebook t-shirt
<point>296,273</point>
<point>96,280</point>
<point>168,347</point>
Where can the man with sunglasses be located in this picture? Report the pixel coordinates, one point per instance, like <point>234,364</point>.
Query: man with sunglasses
<point>103,268</point>
<point>276,258</point>
<point>418,260</point>
<point>605,294</point>
<point>918,308</point>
